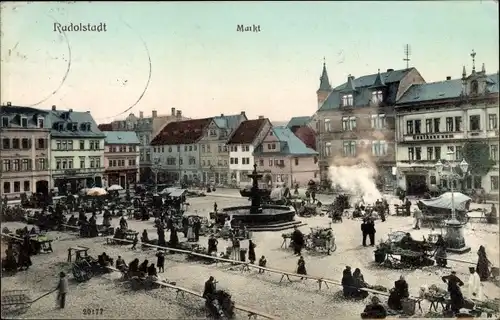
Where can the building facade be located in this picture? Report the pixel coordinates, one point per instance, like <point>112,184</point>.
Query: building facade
<point>121,158</point>
<point>355,121</point>
<point>436,120</point>
<point>286,160</point>
<point>175,150</point>
<point>241,144</point>
<point>25,152</point>
<point>214,153</point>
<point>77,150</point>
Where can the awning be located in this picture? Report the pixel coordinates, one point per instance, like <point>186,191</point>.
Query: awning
<point>177,192</point>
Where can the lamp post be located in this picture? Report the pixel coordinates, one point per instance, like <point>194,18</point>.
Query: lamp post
<point>454,228</point>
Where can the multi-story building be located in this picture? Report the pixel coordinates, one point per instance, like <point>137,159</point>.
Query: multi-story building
<point>214,154</point>
<point>176,152</point>
<point>77,150</point>
<point>25,151</point>
<point>285,159</point>
<point>146,129</point>
<point>121,158</point>
<point>355,121</point>
<point>435,121</point>
<point>242,144</point>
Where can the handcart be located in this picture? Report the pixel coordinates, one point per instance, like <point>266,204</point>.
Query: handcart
<point>17,302</point>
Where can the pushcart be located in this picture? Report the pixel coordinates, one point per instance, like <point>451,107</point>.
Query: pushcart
<point>17,302</point>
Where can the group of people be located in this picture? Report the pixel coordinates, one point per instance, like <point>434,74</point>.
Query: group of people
<point>353,283</point>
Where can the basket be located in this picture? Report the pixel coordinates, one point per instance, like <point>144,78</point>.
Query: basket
<point>409,306</point>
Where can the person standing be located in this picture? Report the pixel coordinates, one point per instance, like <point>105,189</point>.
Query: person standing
<point>483,264</point>
<point>160,262</point>
<point>456,297</point>
<point>62,288</point>
<point>417,215</point>
<point>370,226</point>
<point>301,267</point>
<point>251,251</point>
<point>364,231</point>
<point>407,207</point>
<point>298,240</point>
<point>212,245</point>
<point>474,285</point>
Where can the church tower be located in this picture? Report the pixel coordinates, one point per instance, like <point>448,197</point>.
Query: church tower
<point>324,87</point>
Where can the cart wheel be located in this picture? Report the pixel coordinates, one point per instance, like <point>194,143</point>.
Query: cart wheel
<point>333,248</point>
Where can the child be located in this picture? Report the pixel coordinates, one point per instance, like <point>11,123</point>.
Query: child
<point>161,261</point>
<point>262,263</point>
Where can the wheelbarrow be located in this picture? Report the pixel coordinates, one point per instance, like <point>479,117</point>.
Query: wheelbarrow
<point>17,302</point>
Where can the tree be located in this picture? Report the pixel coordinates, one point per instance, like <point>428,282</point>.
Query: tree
<point>477,155</point>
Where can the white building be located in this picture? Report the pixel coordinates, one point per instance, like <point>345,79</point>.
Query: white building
<point>77,150</point>
<point>435,121</point>
<point>242,143</point>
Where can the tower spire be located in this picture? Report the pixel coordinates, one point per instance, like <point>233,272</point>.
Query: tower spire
<point>464,73</point>
<point>324,83</point>
<point>473,55</point>
<point>483,68</point>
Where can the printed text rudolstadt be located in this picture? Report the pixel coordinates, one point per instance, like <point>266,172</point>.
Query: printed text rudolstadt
<point>79,27</point>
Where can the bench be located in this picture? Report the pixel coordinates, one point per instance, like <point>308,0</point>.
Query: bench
<point>254,313</point>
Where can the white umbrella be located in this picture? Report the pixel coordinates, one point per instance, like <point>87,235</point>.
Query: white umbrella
<point>96,192</point>
<point>115,187</point>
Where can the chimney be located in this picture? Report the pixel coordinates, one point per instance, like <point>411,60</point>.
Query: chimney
<point>243,113</point>
<point>141,114</point>
<point>448,78</point>
<point>221,115</point>
<point>390,70</point>
<point>9,104</point>
<point>179,114</point>
<point>154,113</point>
<point>173,111</point>
<point>54,107</point>
<point>261,117</point>
<point>88,111</point>
<point>70,110</point>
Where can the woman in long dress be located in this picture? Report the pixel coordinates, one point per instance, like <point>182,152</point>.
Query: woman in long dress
<point>190,233</point>
<point>301,267</point>
<point>483,264</point>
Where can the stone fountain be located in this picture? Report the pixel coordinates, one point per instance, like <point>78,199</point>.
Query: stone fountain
<point>258,216</point>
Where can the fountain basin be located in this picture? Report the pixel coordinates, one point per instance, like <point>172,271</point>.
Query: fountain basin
<point>271,218</point>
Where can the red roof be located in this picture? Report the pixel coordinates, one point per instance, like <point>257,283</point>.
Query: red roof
<point>247,131</point>
<point>181,132</point>
<point>306,135</point>
<point>105,127</point>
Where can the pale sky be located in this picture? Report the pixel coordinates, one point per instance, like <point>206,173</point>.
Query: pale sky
<point>203,66</point>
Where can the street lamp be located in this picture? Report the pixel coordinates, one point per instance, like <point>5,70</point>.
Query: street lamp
<point>454,229</point>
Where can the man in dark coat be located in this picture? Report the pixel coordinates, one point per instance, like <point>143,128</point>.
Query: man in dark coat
<point>298,240</point>
<point>456,297</point>
<point>370,229</point>
<point>209,290</point>
<point>364,231</point>
<point>407,207</point>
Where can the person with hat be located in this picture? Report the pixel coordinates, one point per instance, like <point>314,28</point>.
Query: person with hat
<point>456,297</point>
<point>417,215</point>
<point>62,287</point>
<point>474,285</point>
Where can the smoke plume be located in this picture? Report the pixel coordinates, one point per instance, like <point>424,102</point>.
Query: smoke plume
<point>355,176</point>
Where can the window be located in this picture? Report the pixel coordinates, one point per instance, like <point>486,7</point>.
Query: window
<point>433,180</point>
<point>91,145</point>
<point>65,145</point>
<point>213,132</point>
<point>418,125</point>
<point>377,97</point>
<point>458,153</point>
<point>82,162</point>
<point>25,164</point>
<point>430,152</point>
<point>379,148</point>
<point>5,123</point>
<point>348,123</point>
<point>409,127</point>
<point>296,162</point>
<point>328,125</point>
<point>494,152</point>
<point>92,163</point>
<point>347,100</point>
<point>15,143</point>
<point>494,183</point>
<point>418,153</point>
<point>24,124</point>
<point>437,152</point>
<point>58,164</point>
<point>17,166</point>
<point>474,123</point>
<point>270,162</point>
<point>17,186</point>
<point>185,148</point>
<point>219,148</point>
<point>449,124</point>
<point>328,149</point>
<point>245,160</point>
<point>352,123</point>
<point>437,123</point>
<point>6,165</point>
<point>40,143</point>
<point>6,187</point>
<point>70,145</point>
<point>70,163</point>
<point>458,124</point>
<point>235,161</point>
<point>349,148</point>
<point>25,143</point>
<point>378,121</point>
<point>5,143</point>
<point>428,125</point>
<point>246,148</point>
<point>208,148</point>
<point>26,186</point>
<point>411,153</point>
<point>261,162</point>
<point>492,122</point>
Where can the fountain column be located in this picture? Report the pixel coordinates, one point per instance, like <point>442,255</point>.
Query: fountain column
<point>255,195</point>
